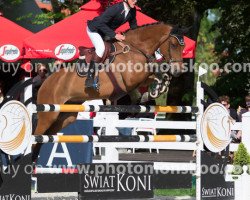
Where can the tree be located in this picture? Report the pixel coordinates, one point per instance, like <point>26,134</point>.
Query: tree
<point>205,52</point>
<point>233,43</point>
<point>22,13</point>
<point>47,17</point>
<point>241,158</point>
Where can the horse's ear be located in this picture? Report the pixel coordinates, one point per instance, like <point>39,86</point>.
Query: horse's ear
<point>185,30</point>
<point>176,30</point>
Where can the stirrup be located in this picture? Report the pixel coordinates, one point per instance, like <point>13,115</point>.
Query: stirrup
<point>94,83</point>
<point>89,82</point>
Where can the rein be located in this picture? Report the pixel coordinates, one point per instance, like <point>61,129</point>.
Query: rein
<point>127,48</point>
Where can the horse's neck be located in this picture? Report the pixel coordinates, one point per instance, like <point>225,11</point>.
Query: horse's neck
<point>146,38</point>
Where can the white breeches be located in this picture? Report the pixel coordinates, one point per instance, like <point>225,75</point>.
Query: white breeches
<point>97,41</point>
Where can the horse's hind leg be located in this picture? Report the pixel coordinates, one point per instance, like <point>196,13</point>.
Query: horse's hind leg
<point>62,121</point>
<point>45,120</point>
<point>35,151</point>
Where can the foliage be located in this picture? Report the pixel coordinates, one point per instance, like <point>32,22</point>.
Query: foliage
<point>233,43</point>
<point>46,18</point>
<point>234,24</point>
<point>4,3</point>
<point>172,11</point>
<point>241,158</point>
<point>16,2</point>
<point>205,50</point>
<point>235,85</point>
<point>58,12</point>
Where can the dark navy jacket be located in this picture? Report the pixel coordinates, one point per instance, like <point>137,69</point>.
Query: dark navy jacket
<point>111,19</point>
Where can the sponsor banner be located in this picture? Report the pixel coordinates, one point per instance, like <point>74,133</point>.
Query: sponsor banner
<point>213,184</point>
<point>16,182</point>
<point>216,127</point>
<point>116,181</point>
<point>65,51</point>
<point>15,128</point>
<point>172,179</point>
<point>70,182</point>
<point>52,183</point>
<point>9,52</point>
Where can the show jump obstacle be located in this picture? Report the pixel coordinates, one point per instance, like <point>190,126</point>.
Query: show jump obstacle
<point>205,134</point>
<point>110,138</point>
<point>117,108</point>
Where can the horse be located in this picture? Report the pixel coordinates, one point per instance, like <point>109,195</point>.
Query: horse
<point>66,86</point>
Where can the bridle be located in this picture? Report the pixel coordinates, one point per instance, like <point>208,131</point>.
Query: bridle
<point>150,58</point>
<point>164,39</point>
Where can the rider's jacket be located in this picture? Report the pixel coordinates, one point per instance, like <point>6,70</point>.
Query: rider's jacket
<point>112,18</point>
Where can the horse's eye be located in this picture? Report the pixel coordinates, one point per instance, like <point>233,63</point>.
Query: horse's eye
<point>173,46</point>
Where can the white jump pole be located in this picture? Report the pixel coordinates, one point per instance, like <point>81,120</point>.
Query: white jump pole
<point>199,97</point>
<point>110,152</point>
<point>246,130</point>
<point>28,94</point>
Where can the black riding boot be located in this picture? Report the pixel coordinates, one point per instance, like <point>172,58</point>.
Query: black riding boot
<point>91,75</point>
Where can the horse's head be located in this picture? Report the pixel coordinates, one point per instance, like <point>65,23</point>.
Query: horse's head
<point>171,48</point>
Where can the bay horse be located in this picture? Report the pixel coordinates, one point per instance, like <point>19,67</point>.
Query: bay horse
<point>64,86</point>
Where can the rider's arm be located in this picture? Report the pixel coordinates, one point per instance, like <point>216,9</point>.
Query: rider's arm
<point>105,18</point>
<point>133,21</point>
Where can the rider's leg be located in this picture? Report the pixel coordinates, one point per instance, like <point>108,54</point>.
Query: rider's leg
<point>91,71</point>
<point>98,43</point>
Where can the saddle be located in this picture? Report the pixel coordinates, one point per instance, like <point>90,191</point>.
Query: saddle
<point>89,53</point>
<point>86,54</point>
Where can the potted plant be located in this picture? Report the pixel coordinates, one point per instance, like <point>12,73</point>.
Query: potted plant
<point>239,173</point>
<point>241,158</point>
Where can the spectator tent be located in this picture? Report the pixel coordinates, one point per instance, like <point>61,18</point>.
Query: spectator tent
<point>11,40</point>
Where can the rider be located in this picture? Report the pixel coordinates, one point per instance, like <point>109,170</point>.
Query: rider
<point>105,26</point>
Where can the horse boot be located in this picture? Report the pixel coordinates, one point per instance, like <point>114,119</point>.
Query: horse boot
<point>91,81</point>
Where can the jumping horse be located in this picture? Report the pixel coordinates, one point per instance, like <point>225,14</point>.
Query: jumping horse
<point>66,86</point>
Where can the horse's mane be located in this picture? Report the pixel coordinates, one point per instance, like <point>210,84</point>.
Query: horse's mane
<point>145,25</point>
<point>177,30</point>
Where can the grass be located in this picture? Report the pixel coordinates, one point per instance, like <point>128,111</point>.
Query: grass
<point>161,100</point>
<point>175,192</point>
